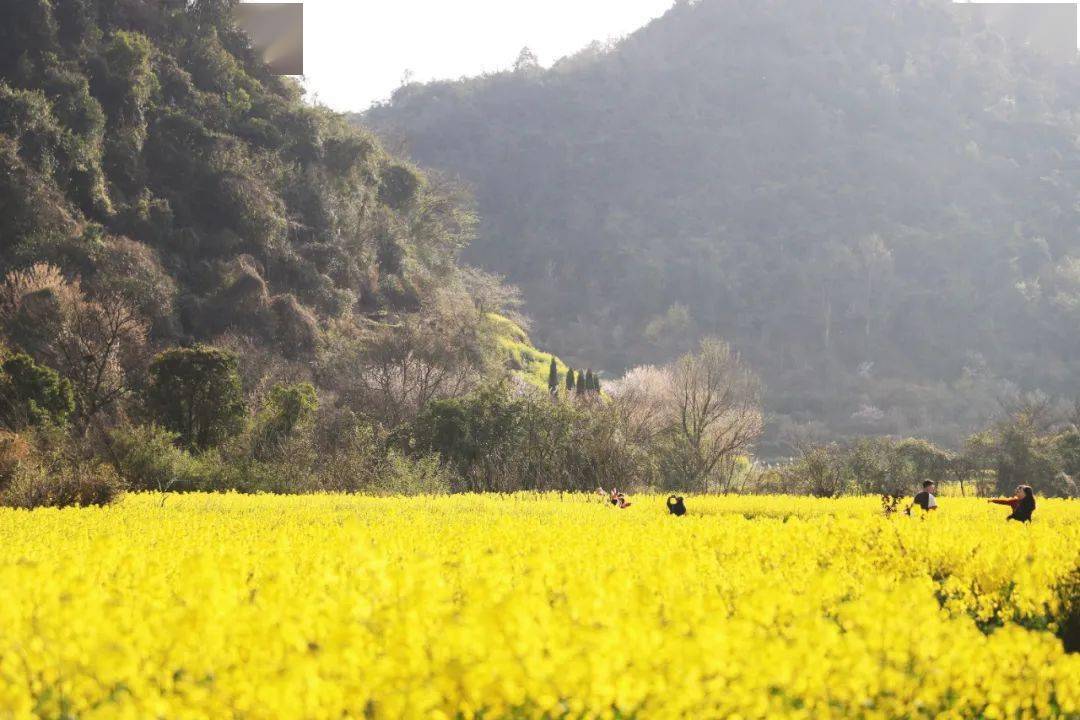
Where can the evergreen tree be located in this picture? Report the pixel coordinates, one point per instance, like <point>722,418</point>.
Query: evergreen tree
<point>596,384</point>
<point>553,377</point>
<point>569,380</point>
<point>580,382</point>
<point>196,393</point>
<point>32,395</point>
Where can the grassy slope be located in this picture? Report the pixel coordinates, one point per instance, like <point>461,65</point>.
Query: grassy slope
<point>523,359</point>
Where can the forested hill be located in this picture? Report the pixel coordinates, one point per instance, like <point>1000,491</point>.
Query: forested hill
<point>875,201</point>
<point>149,156</point>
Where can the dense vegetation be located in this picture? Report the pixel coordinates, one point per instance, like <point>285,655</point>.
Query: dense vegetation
<point>874,202</point>
<point>207,284</point>
<point>1033,443</point>
<point>195,264</point>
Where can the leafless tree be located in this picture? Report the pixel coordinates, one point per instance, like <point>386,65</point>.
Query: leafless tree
<point>696,415</point>
<point>641,400</point>
<point>96,344</point>
<point>93,342</point>
<point>390,371</point>
<point>717,408</point>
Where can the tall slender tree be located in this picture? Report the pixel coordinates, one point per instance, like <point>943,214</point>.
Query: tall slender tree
<point>580,387</point>
<point>569,379</point>
<point>553,377</point>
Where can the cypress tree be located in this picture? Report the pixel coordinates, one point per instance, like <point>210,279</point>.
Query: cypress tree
<point>580,382</point>
<point>553,377</point>
<point>596,383</point>
<point>569,379</point>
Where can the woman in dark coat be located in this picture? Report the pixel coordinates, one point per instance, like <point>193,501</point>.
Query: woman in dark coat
<point>1022,503</point>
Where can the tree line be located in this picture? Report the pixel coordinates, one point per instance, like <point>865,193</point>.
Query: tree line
<point>586,381</point>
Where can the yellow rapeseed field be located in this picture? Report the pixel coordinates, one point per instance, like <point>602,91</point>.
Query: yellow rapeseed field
<point>226,606</point>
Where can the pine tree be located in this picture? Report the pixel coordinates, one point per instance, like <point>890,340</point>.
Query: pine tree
<point>596,383</point>
<point>553,377</point>
<point>580,382</point>
<point>569,380</point>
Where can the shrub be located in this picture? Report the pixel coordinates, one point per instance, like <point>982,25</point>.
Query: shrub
<point>880,466</point>
<point>13,450</point>
<point>147,458</point>
<point>295,327</point>
<point>32,395</point>
<point>356,463</point>
<point>819,472</point>
<point>62,484</point>
<point>398,186</point>
<point>245,474</point>
<point>132,270</point>
<point>363,463</point>
<point>240,465</point>
<point>289,409</point>
<point>401,475</point>
<point>496,440</point>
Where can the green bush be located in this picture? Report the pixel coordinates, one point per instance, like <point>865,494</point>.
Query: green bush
<point>403,475</point>
<point>62,484</point>
<point>502,440</point>
<point>289,408</point>
<point>147,458</point>
<point>32,395</point>
<point>879,465</point>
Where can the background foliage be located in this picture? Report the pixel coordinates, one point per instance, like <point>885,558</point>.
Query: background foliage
<point>873,202</point>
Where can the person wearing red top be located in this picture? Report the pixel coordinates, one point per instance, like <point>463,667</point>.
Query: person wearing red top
<point>615,497</point>
<point>1022,503</point>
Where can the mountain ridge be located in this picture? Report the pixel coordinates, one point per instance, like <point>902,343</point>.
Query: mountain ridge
<point>871,201</point>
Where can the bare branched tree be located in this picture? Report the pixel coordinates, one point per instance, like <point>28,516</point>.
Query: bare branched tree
<point>641,400</point>
<point>390,371</point>
<point>96,344</point>
<point>93,342</point>
<point>698,414</point>
<point>717,406</point>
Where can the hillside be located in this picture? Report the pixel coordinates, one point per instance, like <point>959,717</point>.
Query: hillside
<point>147,154</point>
<point>875,202</point>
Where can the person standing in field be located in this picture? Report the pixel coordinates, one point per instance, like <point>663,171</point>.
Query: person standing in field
<point>924,499</point>
<point>1022,503</point>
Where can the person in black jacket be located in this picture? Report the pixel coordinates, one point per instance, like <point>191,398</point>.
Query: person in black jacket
<point>1022,503</point>
<point>676,506</point>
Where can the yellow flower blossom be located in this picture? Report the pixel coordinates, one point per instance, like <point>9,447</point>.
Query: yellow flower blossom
<point>533,606</point>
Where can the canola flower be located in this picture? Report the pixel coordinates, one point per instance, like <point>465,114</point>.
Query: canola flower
<point>533,606</point>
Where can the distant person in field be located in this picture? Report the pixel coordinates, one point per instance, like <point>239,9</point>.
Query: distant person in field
<point>614,497</point>
<point>676,506</point>
<point>1022,503</point>
<point>924,499</point>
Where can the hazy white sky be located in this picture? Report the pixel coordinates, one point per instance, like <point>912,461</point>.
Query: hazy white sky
<point>357,51</point>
